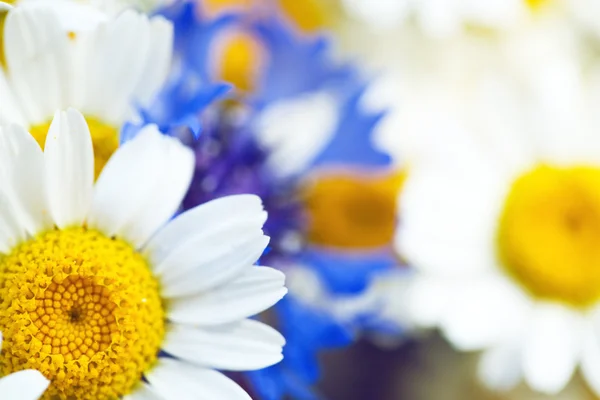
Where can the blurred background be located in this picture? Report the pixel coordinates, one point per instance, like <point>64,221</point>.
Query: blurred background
<point>418,85</point>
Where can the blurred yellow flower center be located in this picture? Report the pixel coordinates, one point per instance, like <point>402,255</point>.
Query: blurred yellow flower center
<point>240,61</point>
<point>2,19</point>
<point>549,234</point>
<point>105,139</point>
<point>81,308</point>
<point>351,212</point>
<point>536,4</point>
<point>308,15</point>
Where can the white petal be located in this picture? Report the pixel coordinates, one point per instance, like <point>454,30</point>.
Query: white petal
<point>158,60</point>
<point>212,243</point>
<point>144,392</point>
<point>10,111</point>
<point>425,300</point>
<point>500,368</point>
<point>553,348</point>
<point>141,186</point>
<point>253,292</point>
<point>12,231</point>
<point>483,312</point>
<point>215,261</point>
<point>241,346</point>
<point>37,60</point>
<point>69,161</point>
<point>590,361</point>
<point>441,210</point>
<point>23,385</point>
<point>201,220</point>
<point>22,178</point>
<point>175,380</point>
<point>297,130</point>
<point>126,61</point>
<point>115,55</point>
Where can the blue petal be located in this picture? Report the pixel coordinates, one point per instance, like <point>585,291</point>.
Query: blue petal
<point>352,143</point>
<point>307,331</point>
<point>348,272</point>
<point>296,63</point>
<point>194,35</point>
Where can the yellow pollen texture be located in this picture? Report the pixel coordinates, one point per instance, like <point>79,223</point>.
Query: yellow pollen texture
<point>549,234</point>
<point>105,140</point>
<point>346,211</point>
<point>81,308</point>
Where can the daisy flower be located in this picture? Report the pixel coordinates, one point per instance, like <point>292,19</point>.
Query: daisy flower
<point>105,71</point>
<point>108,297</point>
<point>500,221</point>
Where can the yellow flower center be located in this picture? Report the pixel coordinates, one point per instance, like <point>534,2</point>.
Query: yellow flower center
<point>240,60</point>
<point>2,19</point>
<point>351,212</point>
<point>105,140</point>
<point>308,15</point>
<point>536,5</point>
<point>549,234</point>
<point>81,308</point>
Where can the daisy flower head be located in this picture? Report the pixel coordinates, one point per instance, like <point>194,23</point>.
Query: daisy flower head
<point>108,297</point>
<point>499,220</point>
<point>106,71</point>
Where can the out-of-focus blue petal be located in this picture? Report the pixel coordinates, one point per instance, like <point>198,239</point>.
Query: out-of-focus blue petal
<point>296,64</point>
<point>194,35</point>
<point>352,143</point>
<point>347,273</point>
<point>308,331</point>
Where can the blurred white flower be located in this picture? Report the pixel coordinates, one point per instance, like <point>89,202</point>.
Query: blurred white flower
<point>501,220</point>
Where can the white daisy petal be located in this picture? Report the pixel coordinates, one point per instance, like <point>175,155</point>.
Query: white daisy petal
<point>242,346</point>
<point>115,60</point>
<point>69,159</point>
<point>500,367</point>
<point>11,231</point>
<point>141,186</point>
<point>590,361</point>
<point>21,174</point>
<point>175,380</point>
<point>23,385</point>
<point>202,220</point>
<point>158,62</point>
<point>553,348</point>
<point>174,181</point>
<point>211,262</point>
<point>144,392</point>
<point>37,60</point>
<point>483,312</point>
<point>10,111</point>
<point>253,292</point>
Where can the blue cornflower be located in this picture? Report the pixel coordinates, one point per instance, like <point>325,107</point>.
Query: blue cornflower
<point>299,138</point>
